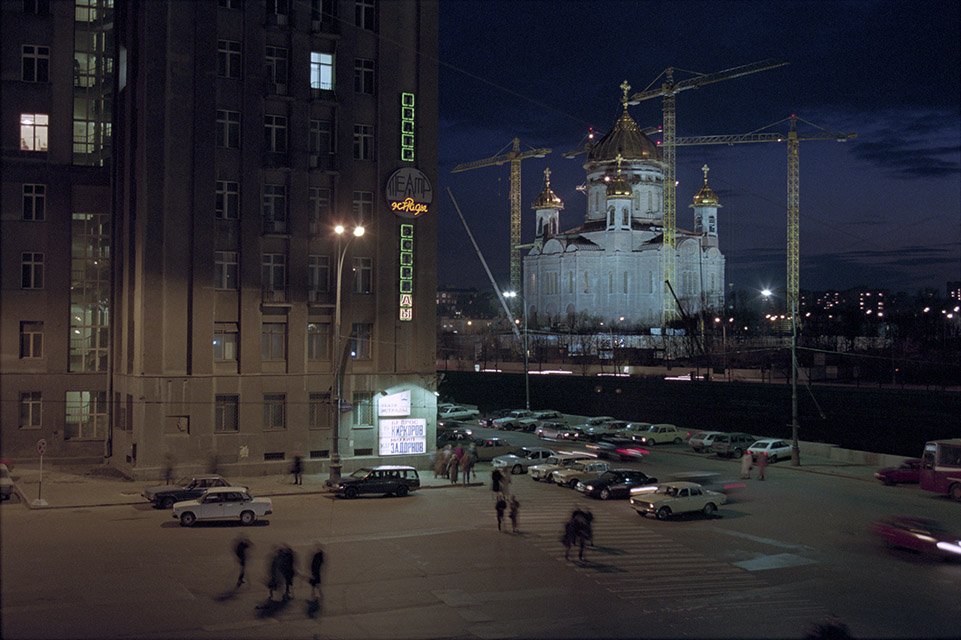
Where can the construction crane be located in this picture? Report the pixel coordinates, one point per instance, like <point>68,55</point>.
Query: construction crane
<point>793,138</point>
<point>514,156</point>
<point>668,90</point>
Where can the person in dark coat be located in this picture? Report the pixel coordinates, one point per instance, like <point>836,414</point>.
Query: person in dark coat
<point>286,567</point>
<point>316,562</point>
<point>274,572</point>
<point>240,550</point>
<point>501,505</point>
<point>297,468</point>
<point>496,479</point>
<point>515,507</point>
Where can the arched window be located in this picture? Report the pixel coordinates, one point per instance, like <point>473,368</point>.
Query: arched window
<point>540,226</point>
<point>625,218</point>
<point>610,217</point>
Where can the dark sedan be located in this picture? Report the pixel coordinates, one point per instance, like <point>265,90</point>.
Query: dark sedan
<point>616,483</point>
<point>164,496</point>
<point>909,472</point>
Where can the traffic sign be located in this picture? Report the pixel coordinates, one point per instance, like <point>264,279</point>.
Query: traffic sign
<point>41,446</point>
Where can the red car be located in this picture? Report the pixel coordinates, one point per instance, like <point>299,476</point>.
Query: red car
<point>908,472</point>
<point>920,534</point>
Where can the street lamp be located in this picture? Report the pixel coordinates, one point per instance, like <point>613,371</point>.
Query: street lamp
<point>340,359</point>
<point>527,375</point>
<point>795,447</point>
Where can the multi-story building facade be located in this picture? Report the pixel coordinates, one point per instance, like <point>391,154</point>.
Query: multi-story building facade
<point>244,132</point>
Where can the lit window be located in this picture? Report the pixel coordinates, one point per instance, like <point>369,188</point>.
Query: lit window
<point>35,63</point>
<point>86,415</point>
<point>321,71</point>
<point>34,131</point>
<point>34,202</point>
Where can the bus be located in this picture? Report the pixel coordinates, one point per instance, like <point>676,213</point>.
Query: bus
<point>941,467</point>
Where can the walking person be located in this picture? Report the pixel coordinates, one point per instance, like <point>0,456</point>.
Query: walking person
<point>515,506</point>
<point>465,467</point>
<point>747,461</point>
<point>168,468</point>
<point>297,468</point>
<point>761,464</point>
<point>452,466</point>
<point>440,463</point>
<point>501,505</point>
<point>472,453</point>
<point>287,561</point>
<point>240,550</point>
<point>274,573</point>
<point>496,479</point>
<point>316,562</point>
<point>583,529</point>
<point>568,538</point>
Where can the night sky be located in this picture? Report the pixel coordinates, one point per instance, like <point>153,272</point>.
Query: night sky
<point>882,211</point>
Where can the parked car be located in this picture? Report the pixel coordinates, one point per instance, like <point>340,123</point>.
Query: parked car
<point>702,440</point>
<point>731,445</point>
<point>223,503</point>
<point>531,422</point>
<point>673,498</point>
<point>550,429</point>
<point>908,472</point>
<point>456,436</point>
<point>920,534</point>
<point>490,448</point>
<point>518,461</point>
<point>615,448</point>
<point>396,480</point>
<point>6,483</point>
<point>165,496</point>
<point>545,470</point>
<point>578,433</point>
<point>631,429</point>
<point>660,434</point>
<point>775,449</point>
<point>579,472</point>
<point>457,412</point>
<point>595,432</point>
<point>615,483</point>
<point>512,420</point>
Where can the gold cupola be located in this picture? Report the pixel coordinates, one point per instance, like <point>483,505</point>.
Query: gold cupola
<point>706,196</point>
<point>547,199</point>
<point>619,186</point>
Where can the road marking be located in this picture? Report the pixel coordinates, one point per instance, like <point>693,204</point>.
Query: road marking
<point>768,541</point>
<point>776,561</point>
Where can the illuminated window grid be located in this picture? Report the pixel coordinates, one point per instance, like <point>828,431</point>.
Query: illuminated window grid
<point>407,127</point>
<point>406,272</point>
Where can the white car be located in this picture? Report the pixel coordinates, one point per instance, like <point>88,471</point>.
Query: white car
<point>512,420</point>
<point>580,472</point>
<point>223,503</point>
<point>775,449</point>
<point>659,434</point>
<point>545,470</point>
<point>457,412</point>
<point>518,461</point>
<point>672,498</point>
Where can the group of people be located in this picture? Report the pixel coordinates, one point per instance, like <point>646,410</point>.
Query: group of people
<point>504,500</point>
<point>578,531</point>
<point>451,462</point>
<point>281,568</point>
<point>748,463</point>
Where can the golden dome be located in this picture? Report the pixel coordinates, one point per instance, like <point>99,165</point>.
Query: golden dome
<point>619,187</point>
<point>706,196</point>
<point>626,139</point>
<point>547,199</point>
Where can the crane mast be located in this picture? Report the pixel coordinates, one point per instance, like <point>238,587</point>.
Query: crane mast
<point>514,157</point>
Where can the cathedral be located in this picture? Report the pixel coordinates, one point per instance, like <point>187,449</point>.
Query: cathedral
<point>611,267</point>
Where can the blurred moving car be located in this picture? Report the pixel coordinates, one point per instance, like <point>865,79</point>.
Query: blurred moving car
<point>223,503</point>
<point>908,472</point>
<point>660,434</point>
<point>672,498</point>
<point>394,480</point>
<point>545,470</point>
<point>702,440</point>
<point>579,472</point>
<point>6,483</point>
<point>614,448</point>
<point>775,449</point>
<point>710,480</point>
<point>615,483</point>
<point>166,495</point>
<point>920,534</point>
<point>518,461</point>
<point>731,445</point>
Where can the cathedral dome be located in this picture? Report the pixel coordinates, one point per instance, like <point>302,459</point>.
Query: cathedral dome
<point>706,196</point>
<point>547,199</point>
<point>626,138</point>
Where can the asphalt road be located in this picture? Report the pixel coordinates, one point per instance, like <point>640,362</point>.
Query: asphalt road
<point>785,553</point>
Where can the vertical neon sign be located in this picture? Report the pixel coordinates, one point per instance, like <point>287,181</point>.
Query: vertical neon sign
<point>406,272</point>
<point>407,127</point>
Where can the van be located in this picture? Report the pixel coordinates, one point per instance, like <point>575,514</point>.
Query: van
<point>386,479</point>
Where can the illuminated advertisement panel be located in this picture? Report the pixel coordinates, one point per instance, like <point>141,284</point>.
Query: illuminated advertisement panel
<point>403,436</point>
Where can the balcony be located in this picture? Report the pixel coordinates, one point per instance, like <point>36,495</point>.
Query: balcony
<point>323,94</point>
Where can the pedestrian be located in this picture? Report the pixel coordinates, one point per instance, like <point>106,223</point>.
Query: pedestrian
<point>274,573</point>
<point>583,529</point>
<point>500,506</point>
<point>761,464</point>
<point>465,467</point>
<point>568,538</point>
<point>440,463</point>
<point>240,550</point>
<point>515,505</point>
<point>747,461</point>
<point>472,453</point>
<point>458,452</point>
<point>315,564</point>
<point>287,561</point>
<point>506,484</point>
<point>453,464</point>
<point>168,468</point>
<point>297,468</point>
<point>496,479</point>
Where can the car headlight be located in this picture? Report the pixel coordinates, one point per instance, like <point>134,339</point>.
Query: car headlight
<point>589,487</point>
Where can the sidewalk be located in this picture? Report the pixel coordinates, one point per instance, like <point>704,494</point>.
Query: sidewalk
<point>92,486</point>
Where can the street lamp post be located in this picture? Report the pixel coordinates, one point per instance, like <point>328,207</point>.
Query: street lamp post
<point>340,360</point>
<point>795,447</point>
<point>527,375</point>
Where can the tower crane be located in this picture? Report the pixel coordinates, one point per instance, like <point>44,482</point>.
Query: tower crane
<point>514,156</point>
<point>668,90</point>
<point>793,138</point>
